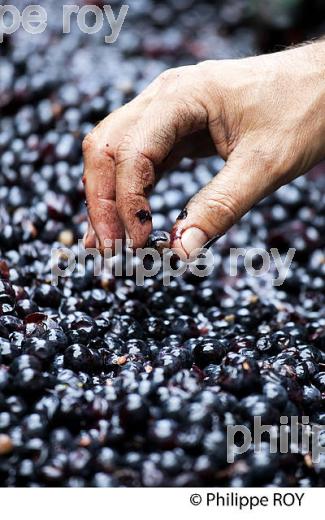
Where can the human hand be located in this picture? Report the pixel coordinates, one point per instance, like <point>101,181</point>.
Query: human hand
<point>264,115</point>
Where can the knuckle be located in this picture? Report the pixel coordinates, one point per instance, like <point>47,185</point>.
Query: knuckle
<point>187,115</point>
<point>96,144</point>
<point>174,74</point>
<point>123,150</point>
<point>88,142</point>
<point>96,140</point>
<point>167,75</point>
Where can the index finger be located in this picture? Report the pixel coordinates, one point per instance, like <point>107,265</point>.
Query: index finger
<point>147,144</point>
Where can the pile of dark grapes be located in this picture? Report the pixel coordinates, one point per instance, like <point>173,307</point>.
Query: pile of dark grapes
<point>106,383</point>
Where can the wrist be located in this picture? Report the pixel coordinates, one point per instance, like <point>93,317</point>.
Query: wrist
<point>311,59</point>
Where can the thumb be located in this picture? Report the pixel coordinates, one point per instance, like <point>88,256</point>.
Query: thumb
<point>220,204</point>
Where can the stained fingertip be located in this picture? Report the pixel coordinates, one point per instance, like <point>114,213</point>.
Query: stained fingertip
<point>106,222</point>
<point>176,244</point>
<point>140,227</point>
<point>139,235</point>
<point>108,238</point>
<point>143,216</point>
<point>135,213</point>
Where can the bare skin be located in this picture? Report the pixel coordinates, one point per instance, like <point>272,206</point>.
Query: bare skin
<point>264,115</point>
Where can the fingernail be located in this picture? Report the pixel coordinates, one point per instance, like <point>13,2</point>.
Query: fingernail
<point>144,216</point>
<point>193,238</point>
<point>183,214</point>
